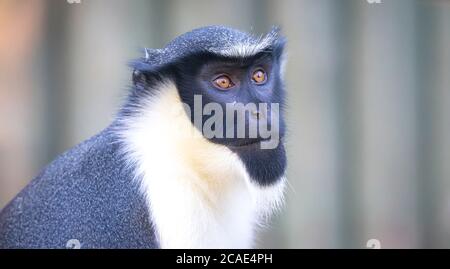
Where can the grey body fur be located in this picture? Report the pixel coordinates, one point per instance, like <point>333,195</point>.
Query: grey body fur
<point>86,194</point>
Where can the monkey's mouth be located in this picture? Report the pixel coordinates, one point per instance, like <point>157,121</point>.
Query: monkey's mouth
<point>248,144</point>
<point>238,143</point>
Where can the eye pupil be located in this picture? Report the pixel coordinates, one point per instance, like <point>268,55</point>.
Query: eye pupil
<point>259,76</point>
<point>223,82</point>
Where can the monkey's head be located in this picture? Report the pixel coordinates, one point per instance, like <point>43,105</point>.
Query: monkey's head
<point>231,85</point>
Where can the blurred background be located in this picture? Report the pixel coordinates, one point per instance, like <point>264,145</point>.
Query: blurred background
<point>368,90</point>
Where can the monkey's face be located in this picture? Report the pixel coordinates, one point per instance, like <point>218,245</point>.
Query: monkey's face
<point>238,103</point>
<point>235,102</point>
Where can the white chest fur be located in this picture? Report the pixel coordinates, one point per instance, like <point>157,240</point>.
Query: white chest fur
<point>199,193</point>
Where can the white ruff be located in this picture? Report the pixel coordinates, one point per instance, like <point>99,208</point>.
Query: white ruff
<point>199,193</point>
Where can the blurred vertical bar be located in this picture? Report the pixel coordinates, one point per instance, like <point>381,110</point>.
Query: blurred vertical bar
<point>385,80</point>
<point>311,213</point>
<point>442,124</point>
<point>348,120</point>
<point>427,188</point>
<point>55,55</point>
<point>433,99</point>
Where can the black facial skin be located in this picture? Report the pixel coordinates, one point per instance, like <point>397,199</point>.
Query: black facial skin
<point>243,90</point>
<point>196,75</point>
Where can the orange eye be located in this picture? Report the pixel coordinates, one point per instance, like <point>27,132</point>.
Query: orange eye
<point>223,82</point>
<point>259,76</point>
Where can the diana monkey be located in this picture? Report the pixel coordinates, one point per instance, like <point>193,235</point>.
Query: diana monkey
<point>156,177</point>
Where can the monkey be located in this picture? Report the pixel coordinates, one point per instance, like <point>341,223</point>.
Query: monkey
<point>172,170</point>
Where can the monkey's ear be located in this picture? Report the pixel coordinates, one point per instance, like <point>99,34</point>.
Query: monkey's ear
<point>139,78</point>
<point>145,68</point>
